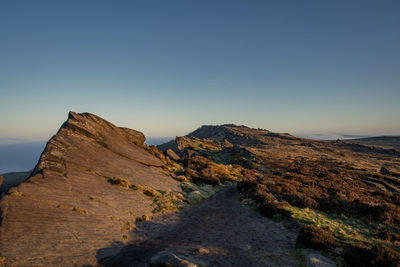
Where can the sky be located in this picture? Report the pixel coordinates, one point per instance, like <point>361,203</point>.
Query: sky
<point>167,67</point>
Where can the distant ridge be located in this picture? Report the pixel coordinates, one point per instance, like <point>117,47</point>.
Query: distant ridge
<point>235,134</point>
<point>385,141</point>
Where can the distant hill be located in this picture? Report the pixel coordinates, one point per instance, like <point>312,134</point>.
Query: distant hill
<point>378,141</point>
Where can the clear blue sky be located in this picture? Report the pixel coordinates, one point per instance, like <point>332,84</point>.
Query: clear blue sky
<point>167,67</point>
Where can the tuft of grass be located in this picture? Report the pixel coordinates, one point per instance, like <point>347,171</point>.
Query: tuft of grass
<point>150,192</point>
<point>316,238</point>
<point>168,202</point>
<point>142,219</point>
<point>133,187</point>
<point>118,181</point>
<point>16,194</point>
<point>80,210</point>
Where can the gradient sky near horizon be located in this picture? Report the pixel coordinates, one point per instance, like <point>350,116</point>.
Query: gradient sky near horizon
<point>167,67</point>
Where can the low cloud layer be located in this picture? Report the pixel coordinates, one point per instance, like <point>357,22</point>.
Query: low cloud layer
<point>20,156</point>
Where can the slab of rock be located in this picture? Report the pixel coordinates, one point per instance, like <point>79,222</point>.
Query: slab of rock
<point>170,153</point>
<point>134,136</point>
<point>68,209</point>
<point>165,258</point>
<point>315,259</point>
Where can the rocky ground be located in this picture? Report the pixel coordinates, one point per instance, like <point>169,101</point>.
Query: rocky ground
<point>218,232</point>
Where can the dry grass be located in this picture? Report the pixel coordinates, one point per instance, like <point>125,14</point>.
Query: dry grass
<point>80,210</point>
<point>315,237</point>
<point>169,201</point>
<point>16,194</point>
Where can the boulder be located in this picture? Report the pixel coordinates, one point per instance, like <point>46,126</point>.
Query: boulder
<point>315,259</point>
<point>227,144</point>
<point>170,153</point>
<point>181,178</point>
<point>201,251</point>
<point>134,136</point>
<point>384,171</point>
<point>165,258</point>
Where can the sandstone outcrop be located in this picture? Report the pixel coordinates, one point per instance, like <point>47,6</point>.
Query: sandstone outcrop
<point>71,206</point>
<point>170,153</point>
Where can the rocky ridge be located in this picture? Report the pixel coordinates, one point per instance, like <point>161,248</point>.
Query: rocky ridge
<point>95,180</point>
<point>74,203</point>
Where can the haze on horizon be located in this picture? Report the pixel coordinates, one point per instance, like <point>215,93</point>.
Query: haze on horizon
<point>168,67</point>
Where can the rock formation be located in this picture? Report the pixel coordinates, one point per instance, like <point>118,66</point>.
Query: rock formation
<point>71,206</point>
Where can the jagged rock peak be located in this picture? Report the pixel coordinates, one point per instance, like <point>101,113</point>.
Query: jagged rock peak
<point>225,131</point>
<point>92,126</point>
<point>87,128</point>
<point>78,199</point>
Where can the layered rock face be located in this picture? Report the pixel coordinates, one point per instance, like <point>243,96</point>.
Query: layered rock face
<point>71,207</point>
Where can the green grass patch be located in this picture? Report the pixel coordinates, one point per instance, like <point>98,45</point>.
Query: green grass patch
<point>346,229</point>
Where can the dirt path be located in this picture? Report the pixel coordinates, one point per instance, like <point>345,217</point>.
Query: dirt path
<point>230,233</point>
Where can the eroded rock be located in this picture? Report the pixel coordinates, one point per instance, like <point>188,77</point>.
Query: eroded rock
<point>71,207</point>
<point>170,153</point>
